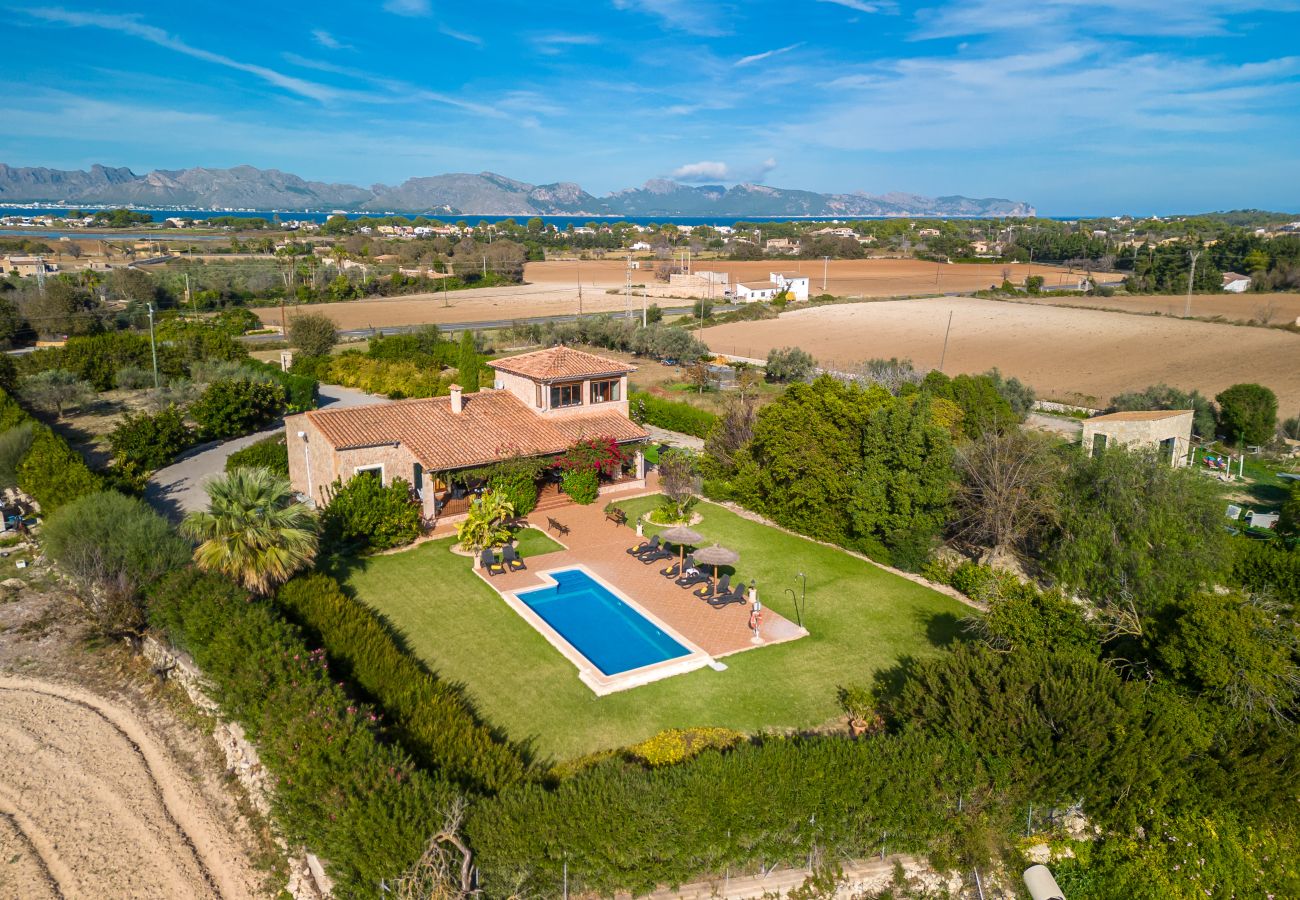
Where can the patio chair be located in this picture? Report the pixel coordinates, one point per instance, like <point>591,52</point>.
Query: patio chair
<point>510,559</point>
<point>676,569</point>
<point>725,598</point>
<point>644,547</point>
<point>689,579</point>
<point>714,589</point>
<point>488,560</point>
<point>653,556</point>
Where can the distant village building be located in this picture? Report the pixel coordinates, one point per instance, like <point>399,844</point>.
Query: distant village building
<point>781,245</point>
<point>640,245</point>
<point>928,232</point>
<point>754,291</point>
<point>29,266</point>
<point>1167,431</point>
<point>793,283</point>
<point>1235,283</point>
<point>702,279</point>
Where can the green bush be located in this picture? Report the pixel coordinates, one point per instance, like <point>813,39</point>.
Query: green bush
<point>301,391</point>
<point>672,415</point>
<point>431,718</point>
<point>268,453</point>
<point>145,442</point>
<point>1247,413</point>
<point>364,514</point>
<point>112,547</point>
<point>356,801</point>
<point>582,486</point>
<point>52,473</point>
<point>312,334</point>
<point>616,826</point>
<point>677,745</point>
<point>1266,568</point>
<point>14,444</point>
<point>789,364</point>
<point>233,407</point>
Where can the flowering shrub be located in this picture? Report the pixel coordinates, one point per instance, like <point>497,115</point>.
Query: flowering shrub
<point>598,455</point>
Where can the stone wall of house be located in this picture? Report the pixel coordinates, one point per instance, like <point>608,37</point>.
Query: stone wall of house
<point>1146,433</point>
<point>526,390</point>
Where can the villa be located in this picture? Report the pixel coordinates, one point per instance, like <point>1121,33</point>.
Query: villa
<point>540,404</point>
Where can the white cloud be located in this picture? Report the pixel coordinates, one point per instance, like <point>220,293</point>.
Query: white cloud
<point>703,171</point>
<point>1185,18</point>
<point>766,54</point>
<point>554,44</point>
<point>461,35</point>
<point>859,5</point>
<point>690,16</point>
<point>327,40</point>
<point>410,8</point>
<point>131,25</point>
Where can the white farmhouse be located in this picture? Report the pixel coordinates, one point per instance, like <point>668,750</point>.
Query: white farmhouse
<point>792,282</point>
<point>1235,283</point>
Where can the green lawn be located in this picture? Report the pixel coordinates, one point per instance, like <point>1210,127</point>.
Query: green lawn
<point>862,620</point>
<point>534,542</point>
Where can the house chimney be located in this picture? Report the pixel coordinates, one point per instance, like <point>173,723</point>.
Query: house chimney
<point>455,398</point>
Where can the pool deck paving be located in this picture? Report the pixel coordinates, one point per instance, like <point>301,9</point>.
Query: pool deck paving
<point>600,546</point>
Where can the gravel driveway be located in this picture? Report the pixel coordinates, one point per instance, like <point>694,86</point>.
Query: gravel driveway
<point>178,489</point>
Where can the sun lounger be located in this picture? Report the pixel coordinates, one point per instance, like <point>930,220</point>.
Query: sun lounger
<point>677,570</point>
<point>712,589</point>
<point>691,579</point>
<point>738,595</point>
<point>488,560</point>
<point>653,556</point>
<point>644,547</point>
<point>510,559</point>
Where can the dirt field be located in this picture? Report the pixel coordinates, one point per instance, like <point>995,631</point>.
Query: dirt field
<point>1277,309</point>
<point>1068,354</point>
<point>105,793</point>
<point>552,289</point>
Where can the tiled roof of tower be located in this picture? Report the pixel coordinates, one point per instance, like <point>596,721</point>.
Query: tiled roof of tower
<point>556,363</point>
<point>491,425</point>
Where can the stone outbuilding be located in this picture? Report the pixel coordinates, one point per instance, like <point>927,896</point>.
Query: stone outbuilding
<point>1168,431</point>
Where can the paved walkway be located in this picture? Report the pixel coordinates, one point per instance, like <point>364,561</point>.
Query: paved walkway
<point>178,489</point>
<point>600,545</point>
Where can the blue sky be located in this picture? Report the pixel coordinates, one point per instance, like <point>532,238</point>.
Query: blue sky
<point>1079,107</point>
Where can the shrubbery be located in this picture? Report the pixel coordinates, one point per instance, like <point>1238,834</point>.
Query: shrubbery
<point>142,442</point>
<point>52,473</point>
<point>672,415</point>
<point>789,364</point>
<point>365,514</point>
<point>14,444</point>
<point>268,453</point>
<point>232,407</point>
<point>581,486</point>
<point>431,718</point>
<point>302,392</point>
<point>358,802</point>
<point>112,546</point>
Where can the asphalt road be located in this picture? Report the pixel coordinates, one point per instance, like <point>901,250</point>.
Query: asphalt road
<point>178,489</point>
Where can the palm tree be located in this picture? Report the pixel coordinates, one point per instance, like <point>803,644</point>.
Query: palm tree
<point>253,531</point>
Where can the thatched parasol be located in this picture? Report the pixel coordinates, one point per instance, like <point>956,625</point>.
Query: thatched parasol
<point>717,556</point>
<point>681,536</point>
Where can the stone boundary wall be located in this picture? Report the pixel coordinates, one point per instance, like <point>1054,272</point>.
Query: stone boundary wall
<point>307,878</point>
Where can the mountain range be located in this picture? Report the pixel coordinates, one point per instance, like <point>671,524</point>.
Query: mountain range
<point>246,187</point>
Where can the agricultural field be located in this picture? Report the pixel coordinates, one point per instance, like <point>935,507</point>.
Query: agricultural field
<point>1263,309</point>
<point>1073,355</point>
<point>551,288</point>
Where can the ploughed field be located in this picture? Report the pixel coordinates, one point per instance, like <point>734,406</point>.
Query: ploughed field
<point>551,289</point>
<point>1070,354</point>
<point>1274,309</point>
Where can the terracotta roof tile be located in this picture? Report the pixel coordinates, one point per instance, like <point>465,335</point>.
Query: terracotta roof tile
<point>555,363</point>
<point>1141,415</point>
<point>491,425</point>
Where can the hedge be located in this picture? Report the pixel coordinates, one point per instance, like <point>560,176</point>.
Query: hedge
<point>268,453</point>
<point>620,827</point>
<point>51,472</point>
<point>672,415</point>
<point>358,802</point>
<point>431,718</point>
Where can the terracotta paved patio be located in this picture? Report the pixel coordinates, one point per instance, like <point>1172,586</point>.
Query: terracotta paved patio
<point>600,545</point>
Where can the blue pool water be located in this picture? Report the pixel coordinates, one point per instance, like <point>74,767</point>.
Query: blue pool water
<point>614,636</point>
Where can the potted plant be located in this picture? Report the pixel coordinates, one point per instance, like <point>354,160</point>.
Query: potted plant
<point>858,703</point>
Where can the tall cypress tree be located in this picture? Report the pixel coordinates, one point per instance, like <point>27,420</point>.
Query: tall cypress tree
<point>469,364</point>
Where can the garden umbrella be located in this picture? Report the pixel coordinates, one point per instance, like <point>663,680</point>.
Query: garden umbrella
<point>681,536</point>
<point>717,556</point>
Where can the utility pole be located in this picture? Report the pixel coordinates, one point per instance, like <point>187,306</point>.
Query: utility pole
<point>1191,277</point>
<point>153,348</point>
<point>485,265</point>
<point>826,265</point>
<point>644,309</point>
<point>944,354</point>
<point>579,285</point>
<point>627,289</point>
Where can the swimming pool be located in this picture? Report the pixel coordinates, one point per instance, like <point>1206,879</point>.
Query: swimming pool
<point>612,635</point>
